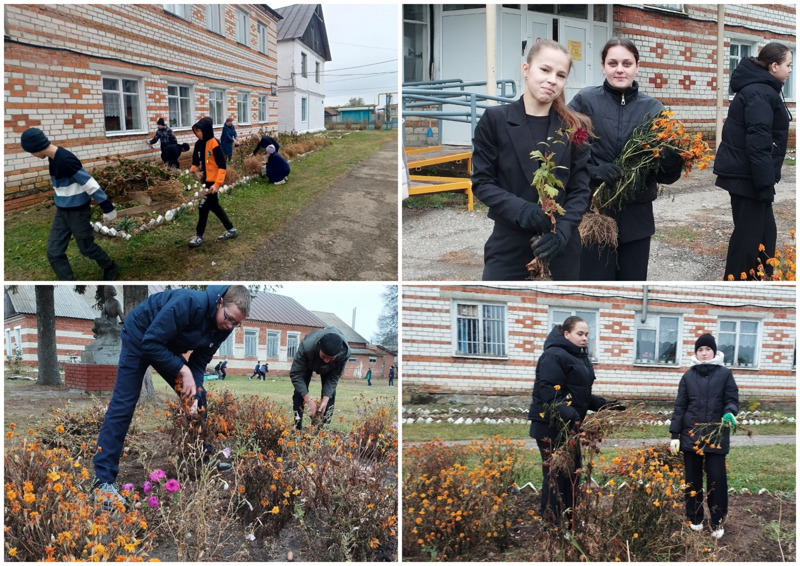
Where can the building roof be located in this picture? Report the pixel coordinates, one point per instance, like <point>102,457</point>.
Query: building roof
<point>331,319</point>
<point>271,307</point>
<point>68,303</point>
<point>306,23</point>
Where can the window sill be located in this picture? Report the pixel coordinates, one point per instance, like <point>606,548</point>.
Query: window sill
<point>482,357</point>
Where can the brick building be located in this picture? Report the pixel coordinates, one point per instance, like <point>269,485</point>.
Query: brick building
<point>95,78</point>
<point>481,340</point>
<point>271,333</point>
<point>677,45</point>
<point>362,356</point>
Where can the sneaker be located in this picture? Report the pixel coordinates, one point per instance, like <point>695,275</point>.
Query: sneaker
<point>283,182</point>
<point>718,532</point>
<point>108,494</point>
<point>696,528</point>
<point>110,273</point>
<point>196,241</point>
<point>229,234</point>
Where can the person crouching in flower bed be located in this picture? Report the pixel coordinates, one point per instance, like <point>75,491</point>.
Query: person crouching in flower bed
<point>503,170</point>
<point>705,409</point>
<point>562,394</point>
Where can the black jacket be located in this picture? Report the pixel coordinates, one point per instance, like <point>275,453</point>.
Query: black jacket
<point>307,361</point>
<point>265,141</point>
<point>564,378</point>
<point>613,123</point>
<point>754,136</point>
<point>502,168</point>
<point>705,393</point>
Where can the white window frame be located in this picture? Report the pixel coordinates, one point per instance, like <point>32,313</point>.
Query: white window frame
<point>140,103</point>
<point>188,100</point>
<point>251,335</point>
<point>243,108</point>
<point>414,29</point>
<point>212,102</point>
<point>242,27</point>
<point>373,360</point>
<point>653,324</point>
<point>289,352</point>
<point>214,18</point>
<point>226,348</point>
<point>478,347</point>
<point>181,10</point>
<point>592,318</point>
<point>789,86</point>
<point>733,60</point>
<point>276,335</point>
<point>263,38</point>
<point>304,64</point>
<point>304,109</point>
<point>263,108</point>
<point>736,359</point>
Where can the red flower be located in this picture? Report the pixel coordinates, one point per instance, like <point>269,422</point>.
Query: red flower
<point>579,136</point>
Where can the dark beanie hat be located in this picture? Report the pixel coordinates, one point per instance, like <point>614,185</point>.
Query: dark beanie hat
<point>160,122</point>
<point>34,140</point>
<point>706,340</point>
<point>331,344</point>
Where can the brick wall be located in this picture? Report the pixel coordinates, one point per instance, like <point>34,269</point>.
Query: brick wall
<point>56,55</point>
<point>429,363</point>
<point>90,377</point>
<point>678,52</point>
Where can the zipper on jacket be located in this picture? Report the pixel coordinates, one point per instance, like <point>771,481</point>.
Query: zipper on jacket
<point>622,103</point>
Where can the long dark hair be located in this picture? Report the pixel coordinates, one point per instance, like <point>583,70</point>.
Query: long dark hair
<point>569,323</point>
<point>622,42</point>
<point>772,52</point>
<point>574,120</point>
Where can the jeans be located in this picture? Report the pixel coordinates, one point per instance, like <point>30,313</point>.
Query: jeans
<point>66,224</point>
<point>128,386</point>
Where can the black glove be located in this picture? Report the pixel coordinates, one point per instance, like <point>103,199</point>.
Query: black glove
<point>548,246</point>
<point>766,194</point>
<point>670,160</point>
<point>606,172</point>
<point>533,219</point>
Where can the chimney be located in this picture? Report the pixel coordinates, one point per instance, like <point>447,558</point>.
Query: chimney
<point>353,326</point>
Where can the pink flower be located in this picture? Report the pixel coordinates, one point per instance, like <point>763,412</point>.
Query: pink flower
<point>226,452</point>
<point>128,487</point>
<point>147,487</point>
<point>158,474</point>
<point>579,136</point>
<point>172,486</point>
<point>153,502</point>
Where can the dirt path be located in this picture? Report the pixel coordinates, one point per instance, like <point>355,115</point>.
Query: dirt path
<point>348,234</point>
<point>693,225</point>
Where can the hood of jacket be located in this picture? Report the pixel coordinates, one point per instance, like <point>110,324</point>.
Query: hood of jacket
<point>747,73</point>
<point>206,128</point>
<point>556,340</point>
<point>718,360</point>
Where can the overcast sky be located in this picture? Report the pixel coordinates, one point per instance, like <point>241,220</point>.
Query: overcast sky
<point>341,299</point>
<point>364,45</point>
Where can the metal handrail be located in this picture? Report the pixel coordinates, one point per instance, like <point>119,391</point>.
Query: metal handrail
<point>419,94</point>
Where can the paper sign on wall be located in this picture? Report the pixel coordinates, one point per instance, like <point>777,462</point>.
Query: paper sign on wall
<point>575,50</point>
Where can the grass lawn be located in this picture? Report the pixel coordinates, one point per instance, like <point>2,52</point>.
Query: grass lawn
<point>26,403</point>
<point>257,209</point>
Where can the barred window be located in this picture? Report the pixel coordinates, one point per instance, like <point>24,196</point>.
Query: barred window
<point>480,329</point>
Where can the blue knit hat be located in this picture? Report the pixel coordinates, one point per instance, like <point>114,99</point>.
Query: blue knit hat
<point>33,140</point>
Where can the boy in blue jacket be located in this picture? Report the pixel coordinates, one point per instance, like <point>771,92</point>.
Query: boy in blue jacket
<point>157,333</point>
<point>73,189</point>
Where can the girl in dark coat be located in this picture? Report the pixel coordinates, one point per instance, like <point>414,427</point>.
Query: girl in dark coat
<point>707,393</point>
<point>616,108</point>
<point>749,158</point>
<point>562,393</point>
<point>502,171</point>
<point>228,138</point>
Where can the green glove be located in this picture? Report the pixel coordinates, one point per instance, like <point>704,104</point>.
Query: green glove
<point>729,420</point>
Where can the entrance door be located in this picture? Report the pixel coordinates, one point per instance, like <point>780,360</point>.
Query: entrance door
<point>574,35</point>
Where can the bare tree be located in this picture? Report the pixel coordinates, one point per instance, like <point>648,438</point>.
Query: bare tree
<point>47,352</point>
<point>132,296</point>
<point>386,335</point>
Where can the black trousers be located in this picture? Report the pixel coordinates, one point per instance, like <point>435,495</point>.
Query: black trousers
<point>66,224</point>
<point>297,406</point>
<point>508,251</point>
<point>211,204</point>
<point>716,487</point>
<point>753,224</point>
<point>628,262</point>
<point>561,499</point>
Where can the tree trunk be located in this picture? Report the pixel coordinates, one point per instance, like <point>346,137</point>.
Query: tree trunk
<point>46,336</point>
<point>133,295</point>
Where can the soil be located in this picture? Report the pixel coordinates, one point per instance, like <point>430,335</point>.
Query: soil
<point>348,234</point>
<point>693,225</point>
